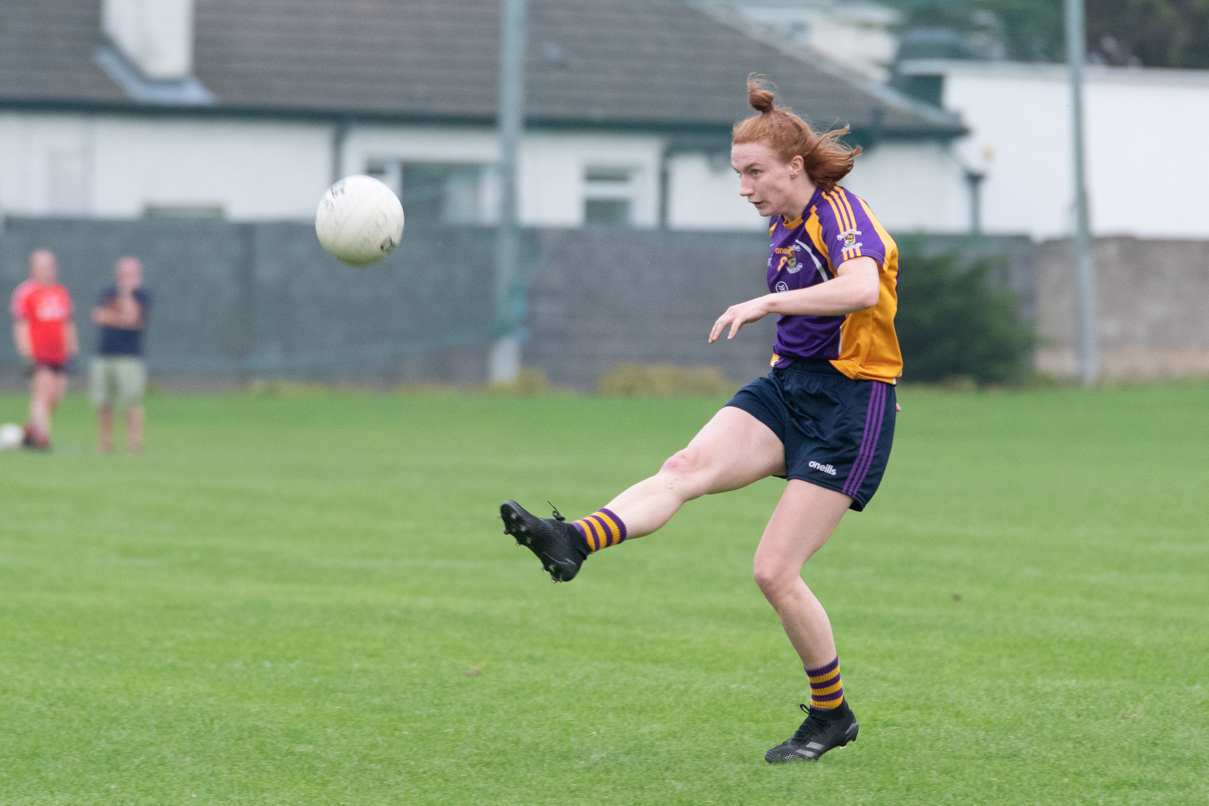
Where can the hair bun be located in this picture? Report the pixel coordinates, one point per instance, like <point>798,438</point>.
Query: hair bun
<point>759,96</point>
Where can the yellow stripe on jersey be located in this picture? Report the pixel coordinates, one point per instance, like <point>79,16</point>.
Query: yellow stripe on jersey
<point>856,250</point>
<point>838,212</point>
<point>845,224</point>
<point>868,344</point>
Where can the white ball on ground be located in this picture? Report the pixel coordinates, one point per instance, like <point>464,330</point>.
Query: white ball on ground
<point>11,436</point>
<point>359,221</point>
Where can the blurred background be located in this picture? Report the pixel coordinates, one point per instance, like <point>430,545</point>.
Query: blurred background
<point>200,134</point>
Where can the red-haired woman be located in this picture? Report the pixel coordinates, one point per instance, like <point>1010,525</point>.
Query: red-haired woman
<point>823,418</point>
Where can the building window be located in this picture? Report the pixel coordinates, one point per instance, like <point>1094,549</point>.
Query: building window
<point>606,213</point>
<point>608,196</point>
<point>438,192</point>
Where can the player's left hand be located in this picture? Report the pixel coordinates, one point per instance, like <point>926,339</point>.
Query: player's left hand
<point>737,316</point>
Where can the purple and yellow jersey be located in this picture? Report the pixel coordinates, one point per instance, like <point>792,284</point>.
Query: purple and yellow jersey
<point>836,226</point>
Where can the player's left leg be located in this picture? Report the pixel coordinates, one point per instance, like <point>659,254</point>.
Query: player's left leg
<point>105,428</point>
<point>803,521</point>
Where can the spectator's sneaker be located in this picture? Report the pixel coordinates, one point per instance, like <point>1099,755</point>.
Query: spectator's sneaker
<point>558,544</point>
<point>822,731</point>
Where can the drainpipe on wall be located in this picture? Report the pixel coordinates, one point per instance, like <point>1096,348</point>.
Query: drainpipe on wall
<point>339,138</point>
<point>975,179</point>
<point>665,179</point>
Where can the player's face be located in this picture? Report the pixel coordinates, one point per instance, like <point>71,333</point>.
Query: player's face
<point>769,184</point>
<point>42,268</point>
<point>129,273</point>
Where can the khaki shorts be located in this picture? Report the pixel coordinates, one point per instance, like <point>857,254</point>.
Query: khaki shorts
<point>117,380</point>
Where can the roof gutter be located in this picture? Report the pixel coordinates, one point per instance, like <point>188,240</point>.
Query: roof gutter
<point>709,129</point>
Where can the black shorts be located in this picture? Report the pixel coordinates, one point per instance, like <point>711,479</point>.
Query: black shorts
<point>836,431</point>
<point>64,368</point>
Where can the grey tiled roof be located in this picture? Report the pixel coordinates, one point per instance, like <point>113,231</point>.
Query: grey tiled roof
<point>628,63</point>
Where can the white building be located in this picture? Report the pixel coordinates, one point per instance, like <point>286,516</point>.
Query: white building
<point>125,108</point>
<point>1145,134</point>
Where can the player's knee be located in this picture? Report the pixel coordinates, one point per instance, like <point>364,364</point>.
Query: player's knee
<point>772,579</point>
<point>691,467</point>
<point>680,462</point>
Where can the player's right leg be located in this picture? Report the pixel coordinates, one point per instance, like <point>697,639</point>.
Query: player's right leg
<point>733,450</point>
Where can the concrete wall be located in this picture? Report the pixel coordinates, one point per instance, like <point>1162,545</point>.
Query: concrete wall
<point>1154,322</point>
<point>239,301</point>
<point>599,300</point>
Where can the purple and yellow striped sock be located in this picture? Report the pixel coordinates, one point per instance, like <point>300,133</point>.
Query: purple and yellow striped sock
<point>601,529</point>
<point>826,688</point>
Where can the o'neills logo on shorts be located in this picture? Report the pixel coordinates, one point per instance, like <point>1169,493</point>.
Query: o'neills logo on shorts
<point>828,469</point>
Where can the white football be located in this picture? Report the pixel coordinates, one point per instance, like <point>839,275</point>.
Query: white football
<point>11,436</point>
<point>359,220</point>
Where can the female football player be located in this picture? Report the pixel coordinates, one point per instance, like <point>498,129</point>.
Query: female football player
<point>823,418</point>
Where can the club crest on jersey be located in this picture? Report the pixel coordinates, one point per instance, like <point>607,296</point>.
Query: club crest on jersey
<point>789,259</point>
<point>849,238</point>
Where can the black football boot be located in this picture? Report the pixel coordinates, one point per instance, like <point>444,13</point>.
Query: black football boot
<point>558,544</point>
<point>822,731</point>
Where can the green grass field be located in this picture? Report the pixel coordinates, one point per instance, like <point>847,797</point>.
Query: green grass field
<point>309,600</point>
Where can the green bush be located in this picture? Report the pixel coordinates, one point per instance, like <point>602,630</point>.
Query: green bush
<point>666,380</point>
<point>952,323</point>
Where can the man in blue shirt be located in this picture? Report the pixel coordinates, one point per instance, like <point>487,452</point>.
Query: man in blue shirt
<point>118,376</point>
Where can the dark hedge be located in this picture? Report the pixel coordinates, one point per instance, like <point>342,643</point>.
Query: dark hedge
<point>953,323</point>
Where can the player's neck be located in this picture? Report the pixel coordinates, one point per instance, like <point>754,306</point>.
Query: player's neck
<point>803,192</point>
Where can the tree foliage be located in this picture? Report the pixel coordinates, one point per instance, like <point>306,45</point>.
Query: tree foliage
<point>1151,33</point>
<point>952,322</point>
<point>1154,33</point>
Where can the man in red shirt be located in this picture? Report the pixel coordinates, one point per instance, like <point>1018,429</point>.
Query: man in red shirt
<point>46,337</point>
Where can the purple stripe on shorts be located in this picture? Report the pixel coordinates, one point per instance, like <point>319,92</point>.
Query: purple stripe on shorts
<point>873,435</point>
<point>873,427</point>
<point>871,453</point>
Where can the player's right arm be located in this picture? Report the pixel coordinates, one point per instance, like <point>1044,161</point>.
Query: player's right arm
<point>21,338</point>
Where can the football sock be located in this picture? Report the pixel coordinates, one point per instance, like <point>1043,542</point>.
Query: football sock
<point>826,689</point>
<point>601,529</point>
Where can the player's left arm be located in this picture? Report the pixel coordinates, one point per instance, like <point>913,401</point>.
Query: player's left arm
<point>856,286</point>
<point>73,339</point>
